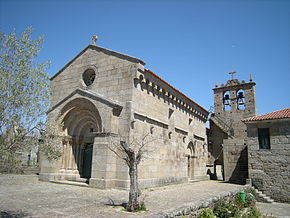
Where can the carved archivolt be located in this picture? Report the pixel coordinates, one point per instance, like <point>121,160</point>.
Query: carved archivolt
<point>81,117</point>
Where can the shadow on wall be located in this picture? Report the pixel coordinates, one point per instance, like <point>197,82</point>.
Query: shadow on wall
<point>216,172</point>
<point>13,214</point>
<point>240,173</point>
<point>212,176</point>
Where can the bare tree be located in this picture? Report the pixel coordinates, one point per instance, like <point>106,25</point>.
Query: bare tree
<point>132,152</point>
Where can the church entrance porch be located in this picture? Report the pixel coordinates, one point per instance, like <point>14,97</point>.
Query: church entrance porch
<point>80,120</point>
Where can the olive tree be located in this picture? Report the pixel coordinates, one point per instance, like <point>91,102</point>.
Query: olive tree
<point>24,92</point>
<point>132,152</point>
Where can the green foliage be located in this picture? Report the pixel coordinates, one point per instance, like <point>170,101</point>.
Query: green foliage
<point>226,209</point>
<point>253,213</point>
<point>236,208</point>
<point>142,207</point>
<point>206,214</point>
<point>9,162</point>
<point>24,92</point>
<point>51,145</point>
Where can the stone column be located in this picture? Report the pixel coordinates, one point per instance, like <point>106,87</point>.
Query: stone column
<point>63,157</point>
<point>70,153</point>
<point>75,146</point>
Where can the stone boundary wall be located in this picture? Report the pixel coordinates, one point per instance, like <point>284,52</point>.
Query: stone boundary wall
<point>196,207</point>
<point>16,179</point>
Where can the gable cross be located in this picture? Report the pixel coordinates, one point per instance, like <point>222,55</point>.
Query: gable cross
<point>94,39</point>
<point>232,73</point>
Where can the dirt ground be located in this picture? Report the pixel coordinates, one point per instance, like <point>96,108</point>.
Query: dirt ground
<point>25,196</point>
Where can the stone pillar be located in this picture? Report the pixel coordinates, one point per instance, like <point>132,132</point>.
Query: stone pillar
<point>103,163</point>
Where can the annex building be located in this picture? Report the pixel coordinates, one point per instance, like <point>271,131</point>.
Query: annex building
<point>268,140</point>
<point>101,93</point>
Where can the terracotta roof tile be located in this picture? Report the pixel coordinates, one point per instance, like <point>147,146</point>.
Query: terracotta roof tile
<point>281,114</point>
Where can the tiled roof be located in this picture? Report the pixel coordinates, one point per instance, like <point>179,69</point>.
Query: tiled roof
<point>281,114</point>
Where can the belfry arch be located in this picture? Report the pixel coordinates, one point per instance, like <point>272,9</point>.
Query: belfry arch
<point>80,120</point>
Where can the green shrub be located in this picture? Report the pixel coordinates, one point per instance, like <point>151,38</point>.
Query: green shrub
<point>236,208</point>
<point>254,213</point>
<point>225,209</point>
<point>206,214</point>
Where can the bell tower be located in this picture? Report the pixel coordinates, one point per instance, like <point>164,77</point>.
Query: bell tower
<point>233,102</point>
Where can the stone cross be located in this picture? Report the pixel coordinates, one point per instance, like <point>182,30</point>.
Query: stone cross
<point>251,79</point>
<point>94,39</point>
<point>232,74</point>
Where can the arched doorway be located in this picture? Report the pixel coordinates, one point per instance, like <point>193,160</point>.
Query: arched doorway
<point>190,160</point>
<point>81,120</point>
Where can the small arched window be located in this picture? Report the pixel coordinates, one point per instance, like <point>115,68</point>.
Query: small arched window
<point>241,103</point>
<point>227,101</point>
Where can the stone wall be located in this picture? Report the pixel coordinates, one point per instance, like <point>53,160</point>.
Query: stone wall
<point>113,75</point>
<point>114,79</point>
<point>111,89</point>
<point>235,160</point>
<point>215,147</point>
<point>269,169</point>
<point>177,126</point>
<point>227,131</point>
<point>148,105</point>
<point>195,208</point>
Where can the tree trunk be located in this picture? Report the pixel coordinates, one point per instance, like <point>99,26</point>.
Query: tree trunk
<point>133,203</point>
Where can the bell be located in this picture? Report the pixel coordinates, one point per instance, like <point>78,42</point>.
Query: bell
<point>240,95</point>
<point>240,101</point>
<point>226,102</point>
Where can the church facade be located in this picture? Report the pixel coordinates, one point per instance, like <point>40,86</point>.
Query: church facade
<point>101,93</point>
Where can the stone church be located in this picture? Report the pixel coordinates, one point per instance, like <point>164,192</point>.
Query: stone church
<point>101,93</point>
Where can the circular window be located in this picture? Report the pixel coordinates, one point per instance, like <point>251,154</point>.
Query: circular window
<point>89,77</point>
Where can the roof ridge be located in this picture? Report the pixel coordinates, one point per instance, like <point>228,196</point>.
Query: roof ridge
<point>98,47</point>
<point>278,114</point>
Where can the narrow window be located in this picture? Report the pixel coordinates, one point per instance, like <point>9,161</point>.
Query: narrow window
<point>170,113</point>
<point>264,138</point>
<point>189,121</point>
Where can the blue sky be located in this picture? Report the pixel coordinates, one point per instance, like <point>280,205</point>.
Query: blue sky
<point>190,44</point>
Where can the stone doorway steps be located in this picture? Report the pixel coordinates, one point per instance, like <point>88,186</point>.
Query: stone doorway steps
<point>264,197</point>
<point>77,182</point>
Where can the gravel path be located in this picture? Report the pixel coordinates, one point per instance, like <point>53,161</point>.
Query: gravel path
<point>280,210</point>
<point>25,196</point>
